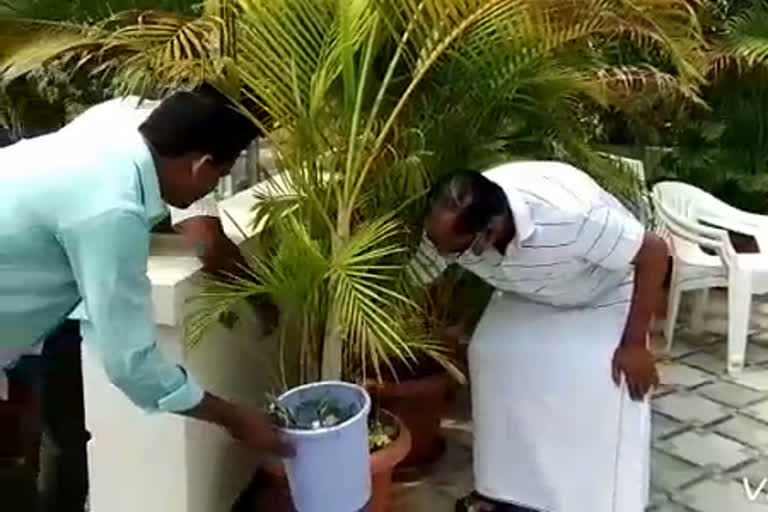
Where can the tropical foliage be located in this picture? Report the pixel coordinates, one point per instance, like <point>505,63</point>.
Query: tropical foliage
<point>718,144</point>
<point>368,101</point>
<point>377,98</point>
<point>88,11</point>
<point>738,35</point>
<point>724,148</point>
<point>34,98</point>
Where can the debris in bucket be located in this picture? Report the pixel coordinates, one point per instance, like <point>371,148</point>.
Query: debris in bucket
<point>311,414</point>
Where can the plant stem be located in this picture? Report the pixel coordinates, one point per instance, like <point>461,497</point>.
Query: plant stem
<point>332,364</point>
<point>332,350</point>
<point>420,72</point>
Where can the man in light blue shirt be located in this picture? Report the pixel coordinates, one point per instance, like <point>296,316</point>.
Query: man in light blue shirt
<point>76,209</point>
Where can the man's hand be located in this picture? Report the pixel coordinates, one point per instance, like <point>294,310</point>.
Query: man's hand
<point>255,429</point>
<point>638,367</point>
<point>248,425</point>
<point>218,254</point>
<point>267,311</point>
<point>457,333</point>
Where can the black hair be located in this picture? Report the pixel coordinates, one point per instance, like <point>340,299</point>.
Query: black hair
<point>203,121</point>
<point>474,198</point>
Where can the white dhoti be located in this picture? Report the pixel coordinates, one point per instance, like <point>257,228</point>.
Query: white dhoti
<point>552,430</point>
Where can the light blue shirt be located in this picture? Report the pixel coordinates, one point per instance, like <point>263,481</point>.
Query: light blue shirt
<point>76,209</point>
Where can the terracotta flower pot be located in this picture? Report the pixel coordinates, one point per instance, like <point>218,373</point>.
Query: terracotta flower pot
<point>421,404</point>
<point>383,463</point>
<point>278,495</point>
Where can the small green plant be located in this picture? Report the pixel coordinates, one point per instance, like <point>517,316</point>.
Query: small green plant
<point>380,434</point>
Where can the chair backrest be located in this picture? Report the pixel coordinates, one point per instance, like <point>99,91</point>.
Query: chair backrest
<point>631,165</point>
<point>641,206</point>
<point>680,207</point>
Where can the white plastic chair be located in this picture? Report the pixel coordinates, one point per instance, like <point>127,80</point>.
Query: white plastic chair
<point>687,214</point>
<point>631,165</point>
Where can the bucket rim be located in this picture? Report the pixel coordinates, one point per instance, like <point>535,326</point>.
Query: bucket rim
<point>364,410</point>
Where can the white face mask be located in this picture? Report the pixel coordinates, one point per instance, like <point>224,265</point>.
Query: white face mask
<point>480,249</point>
<point>489,256</point>
<point>492,256</point>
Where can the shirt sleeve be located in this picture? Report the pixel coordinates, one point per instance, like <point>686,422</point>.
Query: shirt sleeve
<point>610,237</point>
<point>108,255</point>
<point>426,264</point>
<point>205,207</point>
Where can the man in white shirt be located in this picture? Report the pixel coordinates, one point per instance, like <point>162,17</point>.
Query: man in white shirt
<point>559,363</point>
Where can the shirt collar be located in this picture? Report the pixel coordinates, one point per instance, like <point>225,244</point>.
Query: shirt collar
<point>521,215</point>
<point>127,114</point>
<point>154,206</point>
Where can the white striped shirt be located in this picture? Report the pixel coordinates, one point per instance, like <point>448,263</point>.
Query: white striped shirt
<point>575,242</point>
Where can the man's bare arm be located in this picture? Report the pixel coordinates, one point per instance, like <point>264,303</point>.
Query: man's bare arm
<point>250,426</point>
<point>650,271</point>
<point>222,258</point>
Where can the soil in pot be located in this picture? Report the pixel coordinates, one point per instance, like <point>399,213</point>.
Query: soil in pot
<point>276,497</point>
<point>420,399</point>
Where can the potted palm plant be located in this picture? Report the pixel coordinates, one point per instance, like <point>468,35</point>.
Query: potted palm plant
<point>366,93</point>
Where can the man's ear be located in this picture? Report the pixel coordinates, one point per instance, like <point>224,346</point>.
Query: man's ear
<point>200,163</point>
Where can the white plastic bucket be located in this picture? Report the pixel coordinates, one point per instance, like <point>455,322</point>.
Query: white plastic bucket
<point>331,470</point>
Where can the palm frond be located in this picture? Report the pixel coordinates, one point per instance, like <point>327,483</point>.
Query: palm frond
<point>27,45</point>
<point>288,53</point>
<point>89,11</point>
<point>151,47</point>
<point>742,45</point>
<point>141,49</point>
<point>362,277</point>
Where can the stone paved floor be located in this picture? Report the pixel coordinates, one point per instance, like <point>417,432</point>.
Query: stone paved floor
<point>710,431</point>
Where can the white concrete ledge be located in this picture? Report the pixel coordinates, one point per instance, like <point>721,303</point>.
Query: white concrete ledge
<point>237,211</point>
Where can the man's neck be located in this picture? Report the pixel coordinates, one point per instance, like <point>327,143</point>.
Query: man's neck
<point>159,163</point>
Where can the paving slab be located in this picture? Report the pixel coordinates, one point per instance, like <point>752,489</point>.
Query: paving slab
<point>707,449</point>
<point>690,407</point>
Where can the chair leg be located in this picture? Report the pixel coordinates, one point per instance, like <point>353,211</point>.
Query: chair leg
<point>739,309</point>
<point>673,307</point>
<point>696,323</point>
